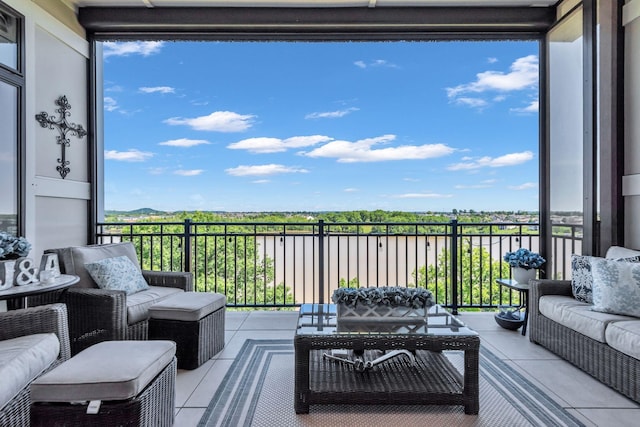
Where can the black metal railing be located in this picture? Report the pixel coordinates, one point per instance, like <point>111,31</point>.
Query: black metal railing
<point>287,264</point>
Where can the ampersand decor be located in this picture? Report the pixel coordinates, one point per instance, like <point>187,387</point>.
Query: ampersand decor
<point>25,272</point>
<point>63,127</point>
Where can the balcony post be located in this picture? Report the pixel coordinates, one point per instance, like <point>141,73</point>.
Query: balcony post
<point>187,244</point>
<point>454,266</point>
<point>321,261</point>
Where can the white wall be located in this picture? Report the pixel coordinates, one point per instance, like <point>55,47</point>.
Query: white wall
<point>631,179</point>
<point>56,211</point>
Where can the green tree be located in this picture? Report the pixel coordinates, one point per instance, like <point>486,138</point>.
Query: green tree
<point>476,278</point>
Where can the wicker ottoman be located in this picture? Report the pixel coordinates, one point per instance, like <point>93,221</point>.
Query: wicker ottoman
<point>195,321</point>
<point>131,382</point>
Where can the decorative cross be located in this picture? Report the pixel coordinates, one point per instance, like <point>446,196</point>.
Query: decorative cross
<point>63,127</point>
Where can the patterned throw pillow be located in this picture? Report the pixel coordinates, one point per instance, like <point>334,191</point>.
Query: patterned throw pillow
<point>581,279</point>
<point>616,287</point>
<point>581,275</point>
<point>118,274</point>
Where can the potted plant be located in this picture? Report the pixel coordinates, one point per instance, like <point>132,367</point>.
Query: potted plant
<point>524,264</point>
<point>385,301</point>
<point>11,248</point>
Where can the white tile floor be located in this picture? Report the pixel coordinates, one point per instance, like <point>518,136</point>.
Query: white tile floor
<point>585,397</point>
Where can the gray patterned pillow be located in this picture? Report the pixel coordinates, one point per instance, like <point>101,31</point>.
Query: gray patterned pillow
<point>118,273</point>
<point>616,287</point>
<point>582,278</point>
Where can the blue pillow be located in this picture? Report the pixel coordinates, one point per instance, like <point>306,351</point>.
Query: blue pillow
<point>118,274</point>
<point>616,287</point>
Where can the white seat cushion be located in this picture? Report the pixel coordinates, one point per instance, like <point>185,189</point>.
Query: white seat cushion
<point>22,359</point>
<point>625,337</point>
<point>577,315</point>
<point>138,304</point>
<point>187,306</point>
<point>110,370</point>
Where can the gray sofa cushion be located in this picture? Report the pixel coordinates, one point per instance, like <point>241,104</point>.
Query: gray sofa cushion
<point>577,315</point>
<point>615,252</point>
<point>22,359</point>
<point>624,336</point>
<point>188,306</point>
<point>110,370</point>
<point>138,304</point>
<point>73,259</point>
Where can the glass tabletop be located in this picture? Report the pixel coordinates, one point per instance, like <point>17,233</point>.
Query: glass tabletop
<point>322,319</point>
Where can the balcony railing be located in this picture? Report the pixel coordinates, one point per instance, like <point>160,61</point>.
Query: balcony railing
<point>288,264</point>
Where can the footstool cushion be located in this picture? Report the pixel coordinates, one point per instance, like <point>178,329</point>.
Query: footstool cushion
<point>133,380</point>
<point>195,321</point>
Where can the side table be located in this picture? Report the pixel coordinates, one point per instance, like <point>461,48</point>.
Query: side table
<point>61,282</point>
<point>523,289</point>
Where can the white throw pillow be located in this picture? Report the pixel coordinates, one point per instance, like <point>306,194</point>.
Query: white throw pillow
<point>118,273</point>
<point>616,287</point>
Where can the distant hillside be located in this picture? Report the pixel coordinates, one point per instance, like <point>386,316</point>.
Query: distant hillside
<point>141,211</point>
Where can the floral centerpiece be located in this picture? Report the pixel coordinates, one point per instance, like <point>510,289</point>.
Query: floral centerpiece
<point>524,258</point>
<point>524,264</point>
<point>12,247</point>
<point>388,301</point>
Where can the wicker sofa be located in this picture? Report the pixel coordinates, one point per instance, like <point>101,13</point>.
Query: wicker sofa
<point>606,346</point>
<point>32,341</point>
<point>97,315</point>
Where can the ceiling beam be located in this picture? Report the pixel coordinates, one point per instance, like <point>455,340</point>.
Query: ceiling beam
<point>316,23</point>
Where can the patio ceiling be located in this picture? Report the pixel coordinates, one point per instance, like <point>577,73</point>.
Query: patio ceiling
<point>310,3</point>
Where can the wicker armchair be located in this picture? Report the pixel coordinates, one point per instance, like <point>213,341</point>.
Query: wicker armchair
<point>97,315</point>
<point>29,321</point>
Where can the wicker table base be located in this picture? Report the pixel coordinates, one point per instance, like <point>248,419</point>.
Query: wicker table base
<point>433,381</point>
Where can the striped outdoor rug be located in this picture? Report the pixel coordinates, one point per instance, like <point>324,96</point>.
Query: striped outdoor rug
<point>258,391</point>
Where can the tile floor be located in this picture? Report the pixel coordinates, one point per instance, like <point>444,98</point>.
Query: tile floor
<point>586,398</point>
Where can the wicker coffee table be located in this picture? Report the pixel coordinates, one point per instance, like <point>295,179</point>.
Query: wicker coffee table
<point>431,380</point>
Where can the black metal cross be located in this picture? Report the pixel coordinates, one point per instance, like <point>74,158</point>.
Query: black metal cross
<point>63,127</point>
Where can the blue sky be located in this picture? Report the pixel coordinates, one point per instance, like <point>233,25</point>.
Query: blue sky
<point>279,126</point>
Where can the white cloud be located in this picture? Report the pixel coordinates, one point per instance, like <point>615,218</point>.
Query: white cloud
<point>529,109</point>
<point>157,171</point>
<point>218,121</point>
<point>159,89</point>
<point>261,181</point>
<point>525,186</point>
<point>331,114</point>
<point>188,172</point>
<point>110,104</point>
<point>411,179</point>
<point>471,102</point>
<point>492,162</point>
<point>375,63</point>
<point>487,183</point>
<point>492,60</point>
<point>131,48</point>
<point>277,145</point>
<point>131,155</point>
<point>523,74</point>
<point>364,151</point>
<point>261,170</point>
<point>422,196</point>
<point>184,142</point>
<point>350,190</point>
